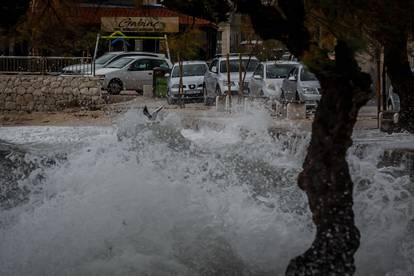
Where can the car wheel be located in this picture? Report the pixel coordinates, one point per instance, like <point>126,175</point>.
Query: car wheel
<point>261,93</point>
<point>115,87</point>
<point>207,101</point>
<point>171,101</point>
<point>218,91</point>
<point>282,98</point>
<point>297,98</point>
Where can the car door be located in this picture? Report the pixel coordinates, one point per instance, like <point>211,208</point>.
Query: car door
<point>256,84</point>
<point>148,74</point>
<point>210,77</point>
<point>160,63</point>
<point>115,58</point>
<point>290,84</point>
<point>139,74</point>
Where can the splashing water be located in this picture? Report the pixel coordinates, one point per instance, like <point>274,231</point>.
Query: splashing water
<point>158,199</point>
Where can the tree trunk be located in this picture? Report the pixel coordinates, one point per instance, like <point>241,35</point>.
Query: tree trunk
<point>325,176</point>
<point>402,78</point>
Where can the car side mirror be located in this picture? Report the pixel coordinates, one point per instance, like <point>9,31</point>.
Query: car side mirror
<point>257,77</point>
<point>214,69</point>
<point>131,68</point>
<point>292,78</point>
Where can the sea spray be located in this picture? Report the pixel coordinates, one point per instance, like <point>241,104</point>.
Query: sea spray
<point>145,198</point>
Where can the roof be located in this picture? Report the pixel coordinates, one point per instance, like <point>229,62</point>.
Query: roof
<point>93,14</point>
<point>235,57</point>
<point>281,62</point>
<point>134,53</point>
<point>143,57</point>
<point>190,62</point>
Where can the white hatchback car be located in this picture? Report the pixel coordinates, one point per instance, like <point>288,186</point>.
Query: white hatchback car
<point>216,81</point>
<point>103,61</point>
<point>301,85</point>
<point>131,73</point>
<point>193,79</point>
<point>268,78</point>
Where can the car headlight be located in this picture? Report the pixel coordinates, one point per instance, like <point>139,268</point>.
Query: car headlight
<point>226,83</point>
<point>100,76</point>
<point>310,90</point>
<point>175,86</point>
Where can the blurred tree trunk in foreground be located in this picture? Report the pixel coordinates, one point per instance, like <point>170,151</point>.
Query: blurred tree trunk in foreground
<point>325,177</point>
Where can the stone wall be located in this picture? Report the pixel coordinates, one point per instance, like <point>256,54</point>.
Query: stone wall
<point>48,93</point>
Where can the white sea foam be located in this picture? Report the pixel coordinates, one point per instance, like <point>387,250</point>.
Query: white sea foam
<point>157,199</point>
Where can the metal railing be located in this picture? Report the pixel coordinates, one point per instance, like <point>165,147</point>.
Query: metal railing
<point>45,65</point>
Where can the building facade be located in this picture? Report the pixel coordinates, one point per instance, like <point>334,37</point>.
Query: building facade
<point>237,35</point>
<point>92,16</point>
<point>148,20</point>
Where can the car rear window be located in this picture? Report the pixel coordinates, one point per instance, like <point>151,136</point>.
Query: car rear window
<point>160,63</point>
<point>306,75</point>
<point>234,65</point>
<point>278,71</point>
<point>190,70</point>
<point>104,59</point>
<point>120,63</point>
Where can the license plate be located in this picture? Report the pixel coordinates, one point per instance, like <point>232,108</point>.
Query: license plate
<point>192,91</point>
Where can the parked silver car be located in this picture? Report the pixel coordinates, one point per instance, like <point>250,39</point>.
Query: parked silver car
<point>131,73</point>
<point>301,86</point>
<point>193,80</point>
<point>268,78</point>
<point>393,100</point>
<point>215,79</point>
<point>102,61</point>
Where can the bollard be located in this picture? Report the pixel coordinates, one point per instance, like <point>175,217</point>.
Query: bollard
<point>220,103</point>
<point>244,102</point>
<point>281,110</point>
<point>296,111</point>
<point>227,106</point>
<point>148,91</point>
<point>388,120</point>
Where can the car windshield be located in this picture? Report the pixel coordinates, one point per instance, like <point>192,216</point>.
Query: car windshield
<point>104,59</point>
<point>234,65</point>
<point>120,63</point>
<point>190,70</point>
<point>278,71</point>
<point>305,75</point>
